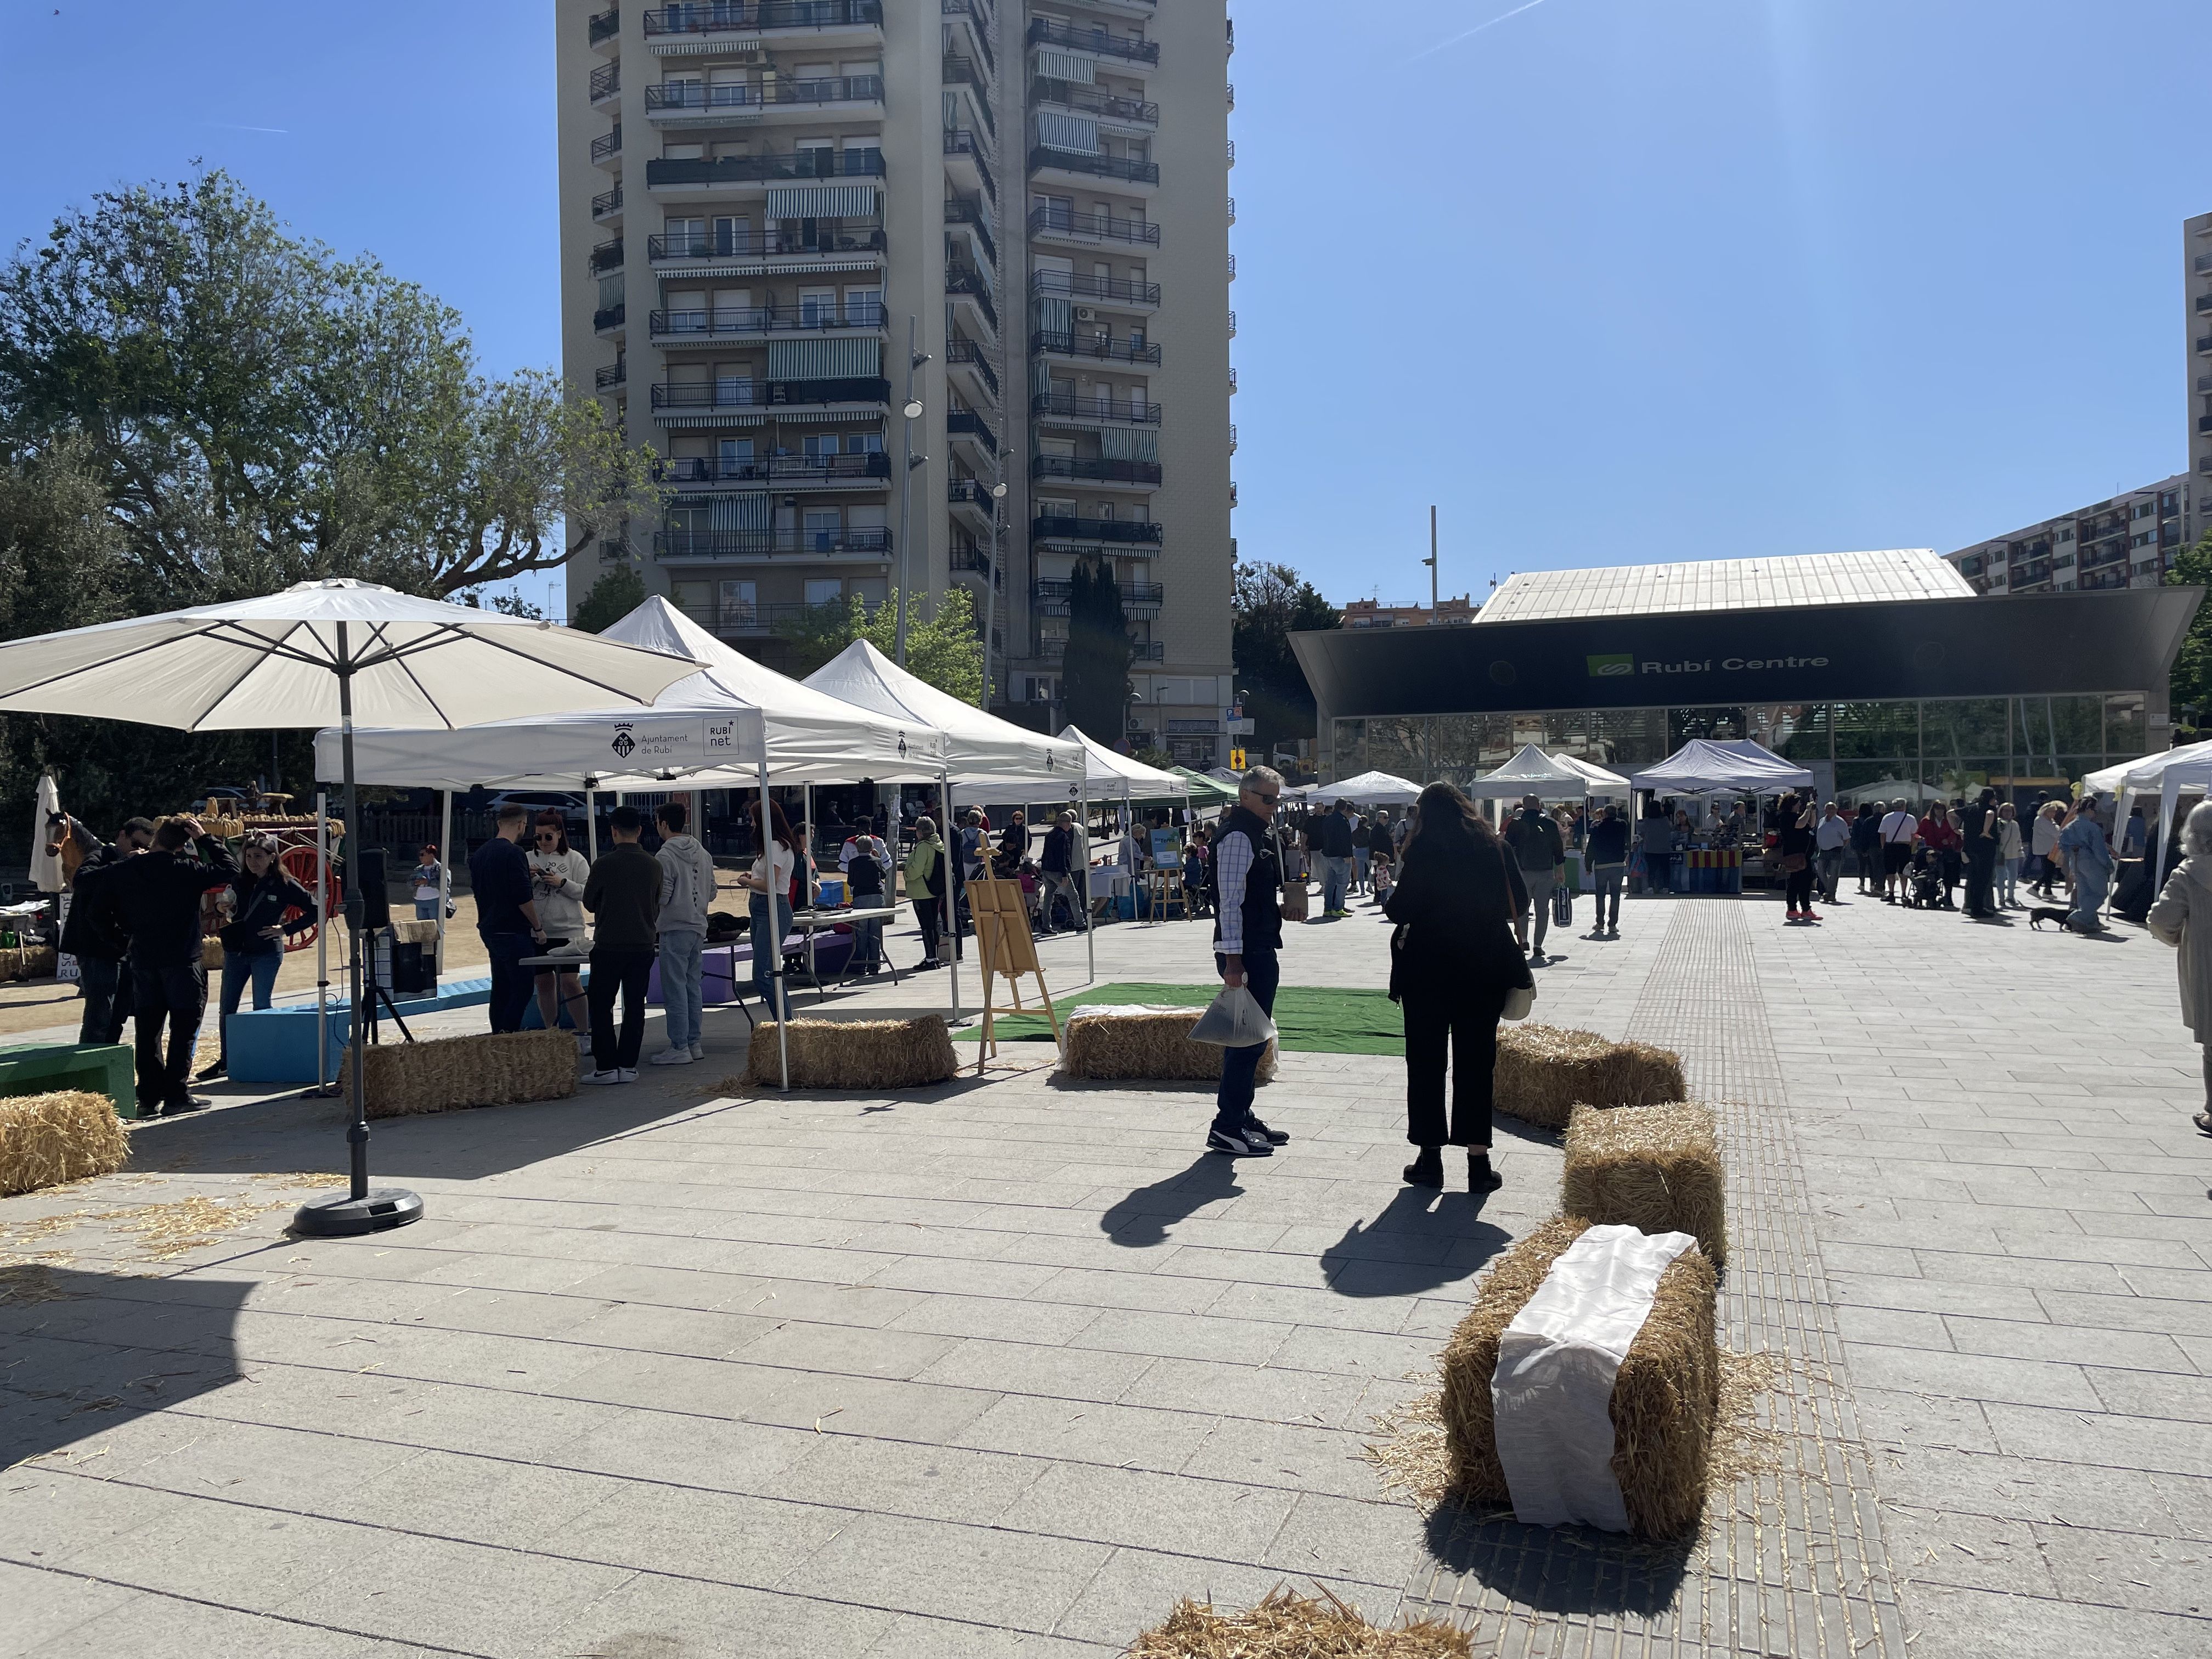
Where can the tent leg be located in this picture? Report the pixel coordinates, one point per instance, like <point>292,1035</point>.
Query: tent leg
<point>591,824</point>
<point>779,1003</point>
<point>952,889</point>
<point>445,868</point>
<point>1083,883</point>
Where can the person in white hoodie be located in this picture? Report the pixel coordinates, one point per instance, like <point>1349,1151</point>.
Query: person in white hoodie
<point>687,893</point>
<point>2182,918</point>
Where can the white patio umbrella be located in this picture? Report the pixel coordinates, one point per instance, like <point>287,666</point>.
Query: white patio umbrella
<point>321,651</point>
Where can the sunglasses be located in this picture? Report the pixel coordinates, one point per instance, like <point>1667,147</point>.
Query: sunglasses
<point>1270,800</point>
<point>547,835</point>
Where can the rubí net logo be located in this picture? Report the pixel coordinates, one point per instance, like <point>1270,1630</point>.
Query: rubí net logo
<point>1607,667</point>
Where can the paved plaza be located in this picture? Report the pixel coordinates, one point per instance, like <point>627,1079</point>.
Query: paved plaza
<point>1005,1367</point>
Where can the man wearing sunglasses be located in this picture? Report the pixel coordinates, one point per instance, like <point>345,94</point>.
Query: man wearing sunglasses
<point>1247,933</point>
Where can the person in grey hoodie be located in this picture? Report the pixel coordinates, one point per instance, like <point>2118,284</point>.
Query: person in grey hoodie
<point>687,893</point>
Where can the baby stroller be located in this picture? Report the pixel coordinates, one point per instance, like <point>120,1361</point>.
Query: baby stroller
<point>1924,888</point>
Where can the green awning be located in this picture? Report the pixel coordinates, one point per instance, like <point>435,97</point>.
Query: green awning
<point>1205,791</point>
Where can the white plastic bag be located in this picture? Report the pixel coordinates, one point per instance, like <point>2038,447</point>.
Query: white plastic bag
<point>1234,1020</point>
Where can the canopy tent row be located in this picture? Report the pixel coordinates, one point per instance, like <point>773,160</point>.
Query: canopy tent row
<point>1206,790</point>
<point>1108,775</point>
<point>1713,766</point>
<point>1549,777</point>
<point>1367,789</point>
<point>2168,776</point>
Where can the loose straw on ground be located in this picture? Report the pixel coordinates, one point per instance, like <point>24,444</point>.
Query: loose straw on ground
<point>1288,1626</point>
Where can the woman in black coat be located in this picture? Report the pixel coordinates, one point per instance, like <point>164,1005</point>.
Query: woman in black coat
<point>1453,962</point>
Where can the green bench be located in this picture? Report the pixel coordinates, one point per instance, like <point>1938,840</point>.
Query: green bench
<point>98,1068</point>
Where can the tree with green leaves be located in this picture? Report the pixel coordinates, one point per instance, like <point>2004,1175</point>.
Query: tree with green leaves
<point>1272,602</point>
<point>942,649</point>
<point>257,410</point>
<point>1094,675</point>
<point>2189,685</point>
<point>619,591</point>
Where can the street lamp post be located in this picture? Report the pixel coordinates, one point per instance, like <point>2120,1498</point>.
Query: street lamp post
<point>912,411</point>
<point>991,587</point>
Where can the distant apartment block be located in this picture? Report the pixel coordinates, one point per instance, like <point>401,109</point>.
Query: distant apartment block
<point>2196,326</point>
<point>1387,613</point>
<point>2128,541</point>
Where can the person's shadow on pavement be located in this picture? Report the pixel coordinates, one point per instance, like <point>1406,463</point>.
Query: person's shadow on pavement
<point>1422,1239</point>
<point>1142,1218</point>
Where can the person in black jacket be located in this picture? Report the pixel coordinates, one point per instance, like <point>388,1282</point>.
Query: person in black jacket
<point>157,896</point>
<point>1453,962</point>
<point>1608,852</point>
<point>1248,933</point>
<point>93,932</point>
<point>253,939</point>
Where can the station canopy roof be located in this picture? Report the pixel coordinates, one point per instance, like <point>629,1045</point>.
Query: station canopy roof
<point>1709,585</point>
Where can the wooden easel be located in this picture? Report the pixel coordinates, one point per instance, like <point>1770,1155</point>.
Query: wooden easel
<point>1004,946</point>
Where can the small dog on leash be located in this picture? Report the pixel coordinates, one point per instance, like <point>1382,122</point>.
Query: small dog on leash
<point>2039,913</point>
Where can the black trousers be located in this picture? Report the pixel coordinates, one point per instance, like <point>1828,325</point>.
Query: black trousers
<point>171,1000</point>
<point>626,970</point>
<point>107,992</point>
<point>1981,885</point>
<point>1469,1019</point>
<point>1797,889</point>
<point>929,912</point>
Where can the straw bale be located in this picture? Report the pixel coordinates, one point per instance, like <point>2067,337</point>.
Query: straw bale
<point>1288,1626</point>
<point>1665,1398</point>
<point>46,1139</point>
<point>445,1074</point>
<point>855,1054</point>
<point>1544,1071</point>
<point>1656,1168</point>
<point>1148,1043</point>
<point>27,962</point>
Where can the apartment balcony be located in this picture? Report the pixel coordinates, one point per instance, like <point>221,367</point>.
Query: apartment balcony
<point>1099,470</point>
<point>966,423</point>
<point>1232,437</point>
<point>971,211</point>
<point>971,73</point>
<point>691,28</point>
<point>1100,348</point>
<point>971,503</point>
<point>728,172</point>
<point>863,471</point>
<point>608,320</point>
<point>2203,343</point>
<point>1137,536</point>
<point>607,256</point>
<point>1232,152</point>
<point>1075,229</point>
<point>1108,109</point>
<point>696,103</point>
<point>793,250</point>
<point>969,358</point>
<point>1233,267</point>
<point>2204,302</point>
<point>1232,210</point>
<point>737,322</point>
<point>1123,8</point>
<point>1138,599</point>
<point>1074,408</point>
<point>678,542</point>
<point>1084,289</point>
<point>973,19</point>
<point>605,26</point>
<point>1232,324</point>
<point>607,205</point>
<point>970,558</point>
<point>606,83</point>
<point>1051,165</point>
<point>1050,651</point>
<point>611,375</point>
<point>1232,380</point>
<point>2202,262</point>
<point>964,164</point>
<point>607,146</point>
<point>1045,32</point>
<point>732,394</point>
<point>970,289</point>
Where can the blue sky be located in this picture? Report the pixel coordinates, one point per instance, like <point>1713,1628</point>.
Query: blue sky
<point>1607,280</point>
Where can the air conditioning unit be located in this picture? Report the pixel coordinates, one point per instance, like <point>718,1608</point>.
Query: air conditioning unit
<point>1085,314</point>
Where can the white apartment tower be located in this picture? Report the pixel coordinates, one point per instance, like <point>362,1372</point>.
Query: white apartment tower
<point>2196,332</point>
<point>781,219</point>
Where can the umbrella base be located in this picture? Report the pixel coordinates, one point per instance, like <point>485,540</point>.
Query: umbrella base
<point>341,1216</point>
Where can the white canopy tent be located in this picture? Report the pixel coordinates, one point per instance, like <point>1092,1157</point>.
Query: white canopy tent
<point>1110,776</point>
<point>1709,766</point>
<point>1368,789</point>
<point>1533,772</point>
<point>2168,777</point>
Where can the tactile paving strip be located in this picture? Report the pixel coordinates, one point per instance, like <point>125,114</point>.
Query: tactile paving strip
<point>1792,1561</point>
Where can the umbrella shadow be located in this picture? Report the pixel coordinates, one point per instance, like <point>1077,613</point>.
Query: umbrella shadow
<point>1422,1240</point>
<point>1142,1219</point>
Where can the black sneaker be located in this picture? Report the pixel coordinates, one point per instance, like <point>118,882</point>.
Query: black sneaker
<point>189,1103</point>
<point>1272,1137</point>
<point>1220,1141</point>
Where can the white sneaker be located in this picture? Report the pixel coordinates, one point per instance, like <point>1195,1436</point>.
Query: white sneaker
<point>672,1057</point>
<point>602,1077</point>
<point>698,1051</point>
<point>626,1074</point>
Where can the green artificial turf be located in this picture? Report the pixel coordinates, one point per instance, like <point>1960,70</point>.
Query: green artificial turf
<point>1314,1018</point>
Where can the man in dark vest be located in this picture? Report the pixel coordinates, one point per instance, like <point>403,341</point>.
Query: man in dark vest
<point>94,932</point>
<point>157,897</point>
<point>1247,933</point>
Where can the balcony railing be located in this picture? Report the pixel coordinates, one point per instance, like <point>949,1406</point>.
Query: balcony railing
<point>971,284</point>
<point>967,421</point>
<point>606,25</point>
<point>608,144</point>
<point>606,81</point>
<point>828,90</point>
<point>728,16</point>
<point>1101,167</point>
<point>1099,227</point>
<point>606,203</point>
<point>767,169</point>
<point>730,393</point>
<point>960,72</point>
<point>1044,32</point>
<point>679,542</point>
<point>979,29</point>
<point>968,556</point>
<point>959,140</point>
<point>1086,100</point>
<point>872,464</point>
<point>1052,597</point>
<point>607,316</point>
<point>2204,302</point>
<point>1081,285</point>
<point>1129,532</point>
<point>1139,650</point>
<point>2204,343</point>
<point>969,210</point>
<point>711,245</point>
<point>1098,469</point>
<point>970,492</point>
<point>721,321</point>
<point>607,256</point>
<point>1103,348</point>
<point>960,349</point>
<point>611,375</point>
<point>1074,406</point>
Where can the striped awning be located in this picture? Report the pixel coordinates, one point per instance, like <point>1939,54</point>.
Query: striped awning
<point>1078,134</point>
<point>1053,65</point>
<point>825,360</point>
<point>823,202</point>
<point>1121,444</point>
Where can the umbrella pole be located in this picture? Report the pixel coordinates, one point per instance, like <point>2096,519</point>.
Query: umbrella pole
<point>956,879</point>
<point>781,1004</point>
<point>360,1210</point>
<point>445,868</point>
<point>322,942</point>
